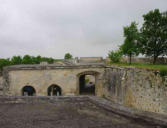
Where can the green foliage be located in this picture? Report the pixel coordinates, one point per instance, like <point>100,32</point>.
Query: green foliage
<point>131,35</point>
<point>87,80</point>
<point>49,60</point>
<point>36,60</point>
<point>16,60</point>
<point>143,66</point>
<point>163,72</point>
<point>115,56</point>
<point>67,56</point>
<point>27,59</point>
<point>4,62</point>
<point>153,37</point>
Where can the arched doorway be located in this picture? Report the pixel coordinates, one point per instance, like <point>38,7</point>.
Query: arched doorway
<point>87,83</point>
<point>28,91</point>
<point>54,90</point>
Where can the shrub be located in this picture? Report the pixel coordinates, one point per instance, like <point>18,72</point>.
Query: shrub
<point>67,56</point>
<point>115,56</point>
<point>163,72</point>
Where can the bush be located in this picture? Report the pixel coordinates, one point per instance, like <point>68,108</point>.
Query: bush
<point>4,62</point>
<point>67,56</point>
<point>115,56</point>
<point>163,72</point>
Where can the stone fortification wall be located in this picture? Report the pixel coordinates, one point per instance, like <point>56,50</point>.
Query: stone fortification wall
<point>139,88</point>
<point>144,60</point>
<point>1,85</point>
<point>90,60</point>
<point>42,77</point>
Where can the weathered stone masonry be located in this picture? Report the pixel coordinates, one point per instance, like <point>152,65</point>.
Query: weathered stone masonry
<point>41,77</point>
<point>1,85</point>
<point>139,88</point>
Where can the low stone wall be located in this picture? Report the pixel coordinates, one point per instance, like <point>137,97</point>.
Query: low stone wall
<point>38,99</point>
<point>90,60</point>
<point>144,60</point>
<point>138,88</point>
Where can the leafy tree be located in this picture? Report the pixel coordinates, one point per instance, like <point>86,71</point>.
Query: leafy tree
<point>130,47</point>
<point>67,56</point>
<point>16,60</point>
<point>4,62</point>
<point>153,40</point>
<point>27,60</point>
<point>36,60</point>
<point>49,60</point>
<point>115,56</point>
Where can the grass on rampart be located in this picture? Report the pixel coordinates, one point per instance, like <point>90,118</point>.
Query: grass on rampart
<point>161,68</point>
<point>139,65</point>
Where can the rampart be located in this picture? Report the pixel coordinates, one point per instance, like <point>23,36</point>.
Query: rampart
<point>133,87</point>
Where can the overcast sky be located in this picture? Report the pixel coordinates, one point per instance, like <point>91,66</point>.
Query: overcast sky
<point>82,27</point>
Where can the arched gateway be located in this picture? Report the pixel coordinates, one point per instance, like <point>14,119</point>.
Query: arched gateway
<point>87,82</point>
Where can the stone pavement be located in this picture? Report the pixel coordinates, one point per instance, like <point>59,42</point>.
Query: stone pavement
<point>73,112</point>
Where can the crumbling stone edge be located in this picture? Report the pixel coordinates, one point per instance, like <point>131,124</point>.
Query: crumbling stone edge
<point>137,115</point>
<point>155,119</point>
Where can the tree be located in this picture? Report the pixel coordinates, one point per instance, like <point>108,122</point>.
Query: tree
<point>115,56</point>
<point>49,60</point>
<point>153,40</point>
<point>67,56</point>
<point>36,60</point>
<point>4,62</point>
<point>130,47</point>
<point>16,60</point>
<point>27,60</point>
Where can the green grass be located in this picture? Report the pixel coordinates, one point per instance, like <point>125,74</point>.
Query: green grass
<point>145,66</point>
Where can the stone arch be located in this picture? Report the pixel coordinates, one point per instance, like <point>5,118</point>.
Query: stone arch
<point>54,90</point>
<point>85,87</point>
<point>95,73</point>
<point>28,90</point>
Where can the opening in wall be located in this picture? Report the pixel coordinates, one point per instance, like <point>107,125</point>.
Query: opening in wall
<point>28,91</point>
<point>87,84</point>
<point>54,90</point>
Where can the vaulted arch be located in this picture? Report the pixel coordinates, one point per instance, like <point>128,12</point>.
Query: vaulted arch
<point>54,90</point>
<point>28,91</point>
<point>87,82</point>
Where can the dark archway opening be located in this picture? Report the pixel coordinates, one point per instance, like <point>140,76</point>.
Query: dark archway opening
<point>28,91</point>
<point>87,84</point>
<point>54,90</point>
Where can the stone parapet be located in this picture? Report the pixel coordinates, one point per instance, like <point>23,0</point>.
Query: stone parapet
<point>51,66</point>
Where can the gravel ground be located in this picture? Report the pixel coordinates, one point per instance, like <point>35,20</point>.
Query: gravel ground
<point>62,115</point>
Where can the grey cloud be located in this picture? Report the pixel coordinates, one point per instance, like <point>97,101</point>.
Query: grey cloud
<point>81,27</point>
